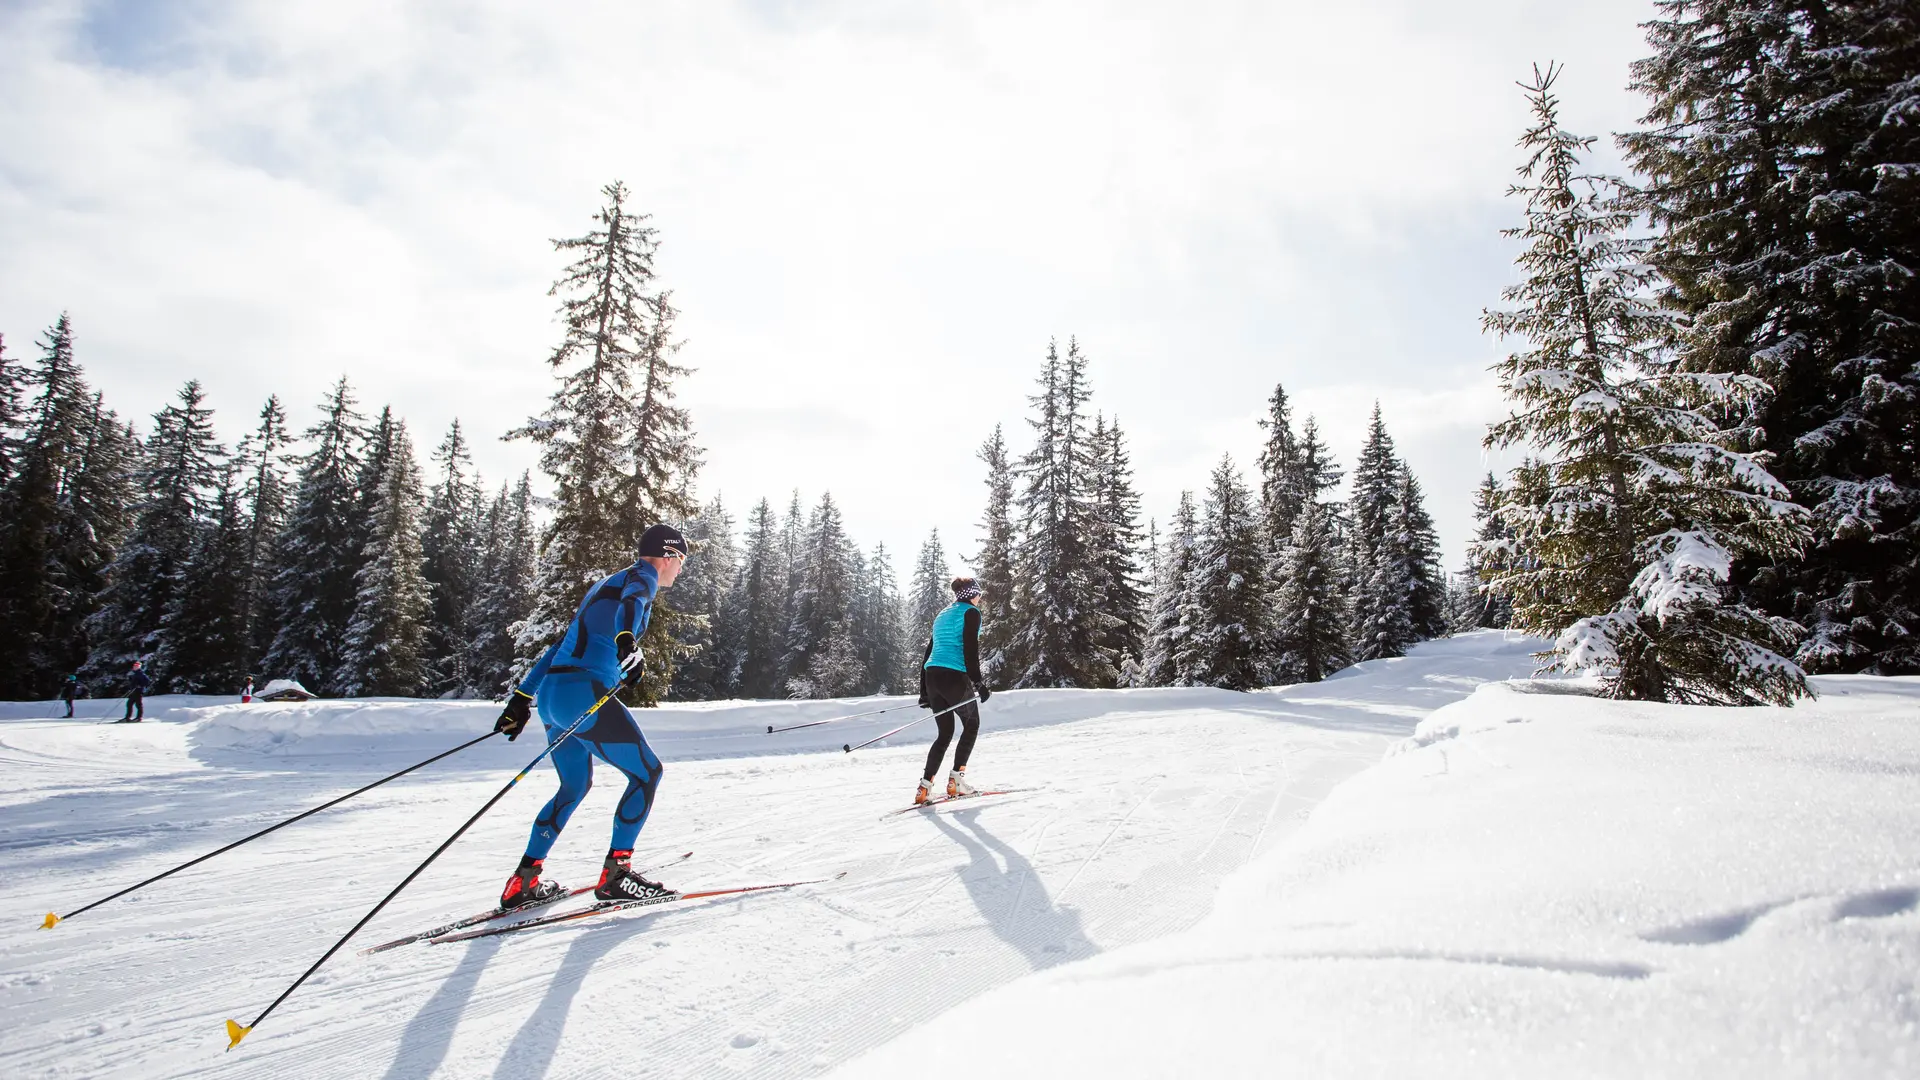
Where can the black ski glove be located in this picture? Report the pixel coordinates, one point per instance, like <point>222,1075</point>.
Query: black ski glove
<point>623,647</point>
<point>980,691</point>
<point>513,718</point>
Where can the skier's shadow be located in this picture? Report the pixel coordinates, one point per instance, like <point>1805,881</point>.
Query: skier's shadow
<point>1013,899</point>
<point>423,1047</point>
<point>531,1052</point>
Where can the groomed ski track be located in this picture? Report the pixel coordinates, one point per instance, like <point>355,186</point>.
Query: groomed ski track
<point>1148,799</point>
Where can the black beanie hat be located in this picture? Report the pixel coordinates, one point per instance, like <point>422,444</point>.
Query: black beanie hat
<point>663,542</point>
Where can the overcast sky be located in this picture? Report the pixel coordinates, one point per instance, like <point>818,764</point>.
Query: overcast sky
<point>873,217</point>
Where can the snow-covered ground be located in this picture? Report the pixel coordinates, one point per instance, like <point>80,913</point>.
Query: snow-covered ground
<point>1607,889</point>
<point>1537,885</point>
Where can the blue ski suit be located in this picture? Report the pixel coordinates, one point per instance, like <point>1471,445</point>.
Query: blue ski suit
<point>567,681</point>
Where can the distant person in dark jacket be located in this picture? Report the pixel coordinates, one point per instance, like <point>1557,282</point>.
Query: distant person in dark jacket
<point>137,683</point>
<point>68,691</point>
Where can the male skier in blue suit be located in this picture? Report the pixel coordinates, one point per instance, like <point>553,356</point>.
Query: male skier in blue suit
<point>587,662</point>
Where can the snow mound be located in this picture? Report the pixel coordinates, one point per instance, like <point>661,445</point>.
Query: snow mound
<point>1596,888</point>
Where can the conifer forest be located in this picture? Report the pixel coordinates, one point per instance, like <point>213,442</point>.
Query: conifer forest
<point>1711,371</point>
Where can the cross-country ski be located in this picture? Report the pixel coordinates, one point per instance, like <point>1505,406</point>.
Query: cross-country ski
<point>609,907</point>
<point>1367,539</point>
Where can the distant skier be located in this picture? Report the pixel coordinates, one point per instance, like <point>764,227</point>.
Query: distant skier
<point>569,678</point>
<point>137,684</point>
<point>69,690</point>
<point>950,676</point>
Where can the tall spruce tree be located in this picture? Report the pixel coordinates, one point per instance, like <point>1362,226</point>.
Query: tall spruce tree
<point>929,594</point>
<point>202,646</point>
<point>1308,611</point>
<point>505,596</point>
<point>878,627</point>
<point>611,439</point>
<point>822,602</point>
<point>1492,609</point>
<point>703,592</point>
<point>1417,546</point>
<point>96,512</point>
<point>994,568</point>
<point>450,547</point>
<point>386,639</point>
<point>316,557</point>
<point>1057,611</point>
<point>179,475</point>
<point>1780,146</point>
<point>1114,553</point>
<point>1281,471</point>
<point>1224,586</point>
<point>1169,657</point>
<point>30,598</point>
<point>12,379</point>
<point>265,498</point>
<point>762,605</point>
<point>1625,530</point>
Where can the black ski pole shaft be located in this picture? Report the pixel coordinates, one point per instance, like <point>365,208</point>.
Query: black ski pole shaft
<point>834,720</point>
<point>236,1032</point>
<point>919,720</point>
<point>53,918</point>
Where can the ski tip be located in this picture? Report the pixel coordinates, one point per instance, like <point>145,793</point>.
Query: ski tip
<point>235,1032</point>
<point>51,920</point>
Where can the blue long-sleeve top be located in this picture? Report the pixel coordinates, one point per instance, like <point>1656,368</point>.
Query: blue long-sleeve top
<point>621,603</point>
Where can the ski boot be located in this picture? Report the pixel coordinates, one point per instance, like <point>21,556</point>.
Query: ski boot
<point>525,888</point>
<point>957,784</point>
<point>619,882</point>
<point>923,794</point>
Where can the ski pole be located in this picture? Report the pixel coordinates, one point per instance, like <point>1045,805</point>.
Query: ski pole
<point>52,918</point>
<point>910,723</point>
<point>853,716</point>
<point>236,1032</point>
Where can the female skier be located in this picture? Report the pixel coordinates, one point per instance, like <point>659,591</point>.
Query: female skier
<point>950,676</point>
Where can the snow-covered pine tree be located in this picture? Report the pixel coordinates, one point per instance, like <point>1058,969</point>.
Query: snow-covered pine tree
<point>825,596</point>
<point>1626,529</point>
<point>833,667</point>
<point>611,440</point>
<point>1417,545</point>
<point>203,639</point>
<point>265,499</point>
<point>1114,554</point>
<point>96,512</point>
<point>929,594</point>
<point>761,595</point>
<point>505,597</point>
<point>1224,585</point>
<point>792,577</point>
<point>1382,617</point>
<point>665,460</point>
<point>1309,612</point>
<point>12,379</point>
<point>179,475</point>
<point>703,592</point>
<point>1057,613</point>
<point>1281,497</point>
<point>450,548</point>
<point>1168,659</point>
<point>315,557</point>
<point>994,570</point>
<point>386,639</point>
<point>1486,559</point>
<point>33,645</point>
<point>879,634</point>
<point>1781,149</point>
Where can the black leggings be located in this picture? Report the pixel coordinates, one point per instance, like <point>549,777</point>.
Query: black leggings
<point>945,689</point>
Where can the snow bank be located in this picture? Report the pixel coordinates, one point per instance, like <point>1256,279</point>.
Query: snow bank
<point>1552,885</point>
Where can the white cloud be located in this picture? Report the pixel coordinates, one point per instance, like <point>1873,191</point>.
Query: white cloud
<point>874,215</point>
